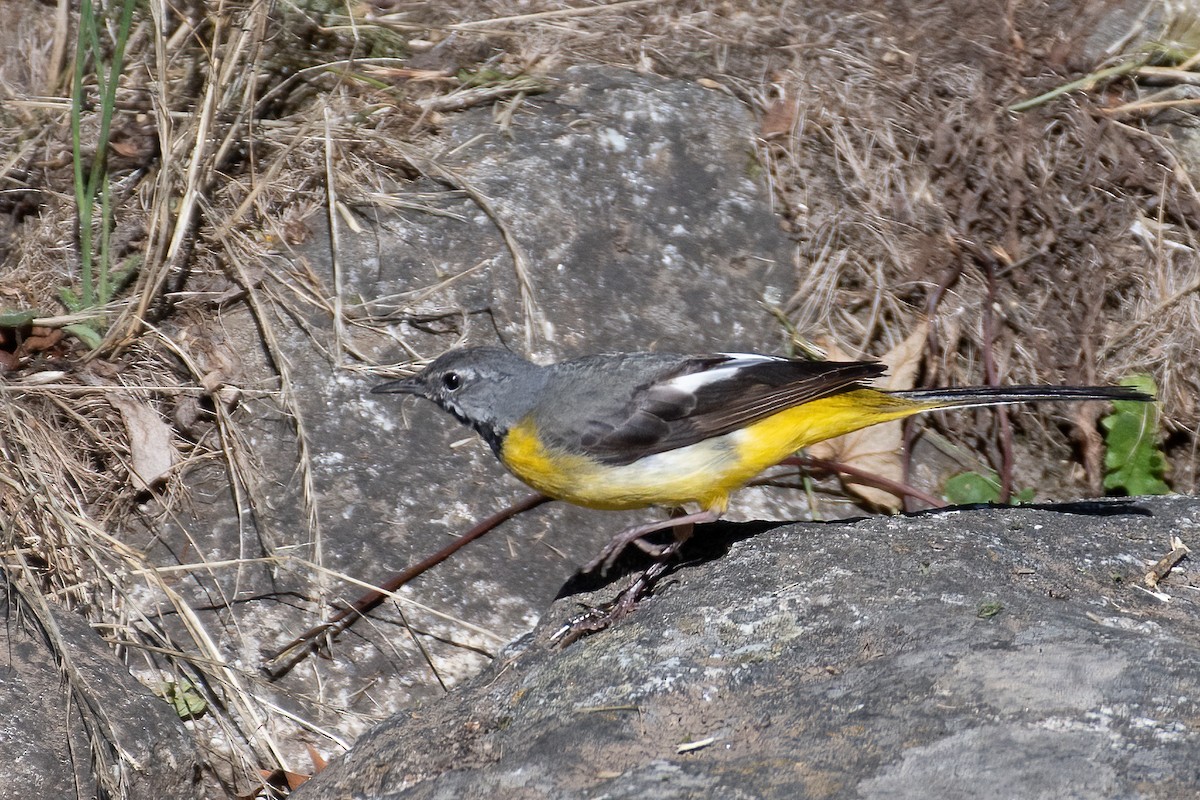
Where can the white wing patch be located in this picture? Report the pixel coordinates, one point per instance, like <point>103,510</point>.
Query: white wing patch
<point>754,357</point>
<point>723,372</point>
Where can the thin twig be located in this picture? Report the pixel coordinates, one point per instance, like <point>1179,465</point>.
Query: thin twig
<point>1084,83</point>
<point>295,651</point>
<point>416,640</point>
<point>335,241</point>
<point>992,378</point>
<point>887,484</point>
<point>1162,568</point>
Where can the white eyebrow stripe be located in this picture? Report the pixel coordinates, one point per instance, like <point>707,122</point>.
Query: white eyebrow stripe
<point>726,371</point>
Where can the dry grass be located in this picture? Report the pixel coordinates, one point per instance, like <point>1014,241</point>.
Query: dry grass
<point>1043,245</point>
<point>208,180</point>
<point>1024,239</point>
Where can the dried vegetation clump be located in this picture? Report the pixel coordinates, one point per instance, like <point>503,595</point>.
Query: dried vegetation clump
<point>233,123</point>
<point>1056,244</point>
<point>1053,245</point>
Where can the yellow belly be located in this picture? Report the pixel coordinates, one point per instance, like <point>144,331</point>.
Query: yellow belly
<point>705,472</point>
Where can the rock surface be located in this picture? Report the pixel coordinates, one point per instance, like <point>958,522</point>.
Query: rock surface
<point>68,708</point>
<point>965,654</point>
<point>632,200</point>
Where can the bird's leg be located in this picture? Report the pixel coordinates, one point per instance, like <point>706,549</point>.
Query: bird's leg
<point>682,531</point>
<point>633,536</point>
<point>597,619</point>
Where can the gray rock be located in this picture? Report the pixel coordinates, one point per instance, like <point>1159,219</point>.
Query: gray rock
<point>1008,653</point>
<point>638,233</point>
<point>74,722</point>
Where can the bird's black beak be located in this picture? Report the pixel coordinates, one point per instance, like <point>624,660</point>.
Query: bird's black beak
<point>405,386</point>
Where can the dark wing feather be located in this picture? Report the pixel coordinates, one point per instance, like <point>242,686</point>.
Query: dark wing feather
<point>663,416</point>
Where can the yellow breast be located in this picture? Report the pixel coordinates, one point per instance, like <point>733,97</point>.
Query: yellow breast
<point>688,474</point>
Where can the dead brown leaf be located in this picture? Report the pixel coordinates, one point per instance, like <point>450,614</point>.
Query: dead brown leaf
<point>40,339</point>
<point>151,449</point>
<point>778,119</point>
<point>878,449</point>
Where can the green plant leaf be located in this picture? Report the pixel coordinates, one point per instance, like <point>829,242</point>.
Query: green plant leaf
<point>483,77</point>
<point>968,488</point>
<point>186,699</point>
<point>87,335</point>
<point>71,299</point>
<point>971,488</point>
<point>989,608</point>
<point>1133,461</point>
<point>16,319</point>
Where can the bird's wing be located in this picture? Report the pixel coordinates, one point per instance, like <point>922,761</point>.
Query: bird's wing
<point>696,398</point>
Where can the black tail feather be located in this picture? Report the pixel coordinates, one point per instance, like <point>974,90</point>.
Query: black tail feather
<point>1001,395</point>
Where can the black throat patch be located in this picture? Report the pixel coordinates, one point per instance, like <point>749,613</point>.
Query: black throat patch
<point>490,433</point>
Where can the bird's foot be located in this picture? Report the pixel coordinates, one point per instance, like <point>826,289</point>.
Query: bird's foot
<point>596,619</point>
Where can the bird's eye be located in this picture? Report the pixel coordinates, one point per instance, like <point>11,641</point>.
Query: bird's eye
<point>451,381</point>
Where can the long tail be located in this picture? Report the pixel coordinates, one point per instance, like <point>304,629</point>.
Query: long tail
<point>1001,395</point>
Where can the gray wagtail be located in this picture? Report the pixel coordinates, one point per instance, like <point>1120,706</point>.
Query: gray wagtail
<point>631,430</point>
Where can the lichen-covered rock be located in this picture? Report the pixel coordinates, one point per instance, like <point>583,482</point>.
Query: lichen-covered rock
<point>993,653</point>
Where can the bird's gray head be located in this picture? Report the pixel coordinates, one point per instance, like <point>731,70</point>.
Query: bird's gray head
<point>488,388</point>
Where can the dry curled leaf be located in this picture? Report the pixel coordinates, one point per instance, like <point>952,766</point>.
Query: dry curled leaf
<point>778,119</point>
<point>151,449</point>
<point>878,449</point>
<point>40,339</point>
